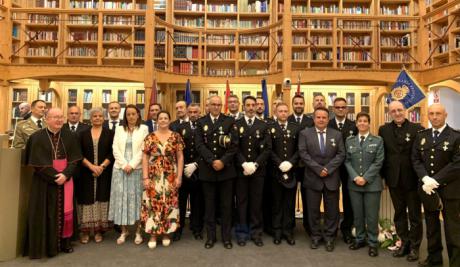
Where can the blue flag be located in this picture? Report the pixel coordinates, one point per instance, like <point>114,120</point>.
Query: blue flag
<point>188,93</point>
<point>406,90</point>
<point>265,97</point>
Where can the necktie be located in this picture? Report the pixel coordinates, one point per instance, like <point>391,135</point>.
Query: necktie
<point>340,126</point>
<point>72,128</point>
<point>114,124</point>
<point>250,122</point>
<point>214,120</point>
<point>361,142</point>
<point>322,148</point>
<point>436,135</point>
<point>193,125</point>
<point>39,124</point>
<point>298,120</point>
<point>154,125</point>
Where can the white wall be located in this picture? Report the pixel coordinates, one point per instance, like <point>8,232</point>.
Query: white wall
<point>451,100</point>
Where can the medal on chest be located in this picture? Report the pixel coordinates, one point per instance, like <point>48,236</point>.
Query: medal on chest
<point>445,146</point>
<point>407,137</point>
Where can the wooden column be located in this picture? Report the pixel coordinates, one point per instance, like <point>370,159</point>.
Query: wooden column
<point>5,101</point>
<point>149,69</point>
<point>287,52</point>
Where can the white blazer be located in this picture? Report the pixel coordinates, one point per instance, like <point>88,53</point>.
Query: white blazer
<point>119,147</point>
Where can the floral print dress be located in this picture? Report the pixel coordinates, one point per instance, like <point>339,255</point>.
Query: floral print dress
<point>160,205</point>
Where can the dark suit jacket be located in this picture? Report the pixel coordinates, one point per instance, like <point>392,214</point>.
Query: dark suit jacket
<point>173,126</point>
<point>81,127</point>
<point>84,185</point>
<point>304,123</point>
<point>397,168</point>
<point>106,124</point>
<point>149,124</point>
<point>440,160</point>
<point>207,142</point>
<point>188,135</point>
<point>333,157</point>
<point>348,129</point>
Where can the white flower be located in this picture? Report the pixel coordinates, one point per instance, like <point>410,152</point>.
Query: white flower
<point>149,224</point>
<point>381,237</point>
<point>353,232</point>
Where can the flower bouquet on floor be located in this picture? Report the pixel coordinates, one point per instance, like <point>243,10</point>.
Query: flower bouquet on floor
<point>387,235</point>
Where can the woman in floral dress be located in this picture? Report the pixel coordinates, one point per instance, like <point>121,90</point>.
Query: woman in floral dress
<point>162,166</point>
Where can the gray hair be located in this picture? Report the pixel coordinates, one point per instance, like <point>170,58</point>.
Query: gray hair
<point>96,110</point>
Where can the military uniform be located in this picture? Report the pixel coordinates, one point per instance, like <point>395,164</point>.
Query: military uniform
<point>284,148</point>
<point>24,129</point>
<point>173,126</point>
<point>348,128</point>
<point>365,158</point>
<point>439,158</point>
<point>402,182</point>
<point>236,116</point>
<point>191,186</point>
<point>217,141</point>
<point>254,146</point>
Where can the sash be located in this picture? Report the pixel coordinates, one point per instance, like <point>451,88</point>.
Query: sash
<point>59,165</point>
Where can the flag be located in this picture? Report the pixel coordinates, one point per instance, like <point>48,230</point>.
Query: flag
<point>298,85</point>
<point>153,96</point>
<point>406,90</point>
<point>188,93</point>
<point>265,97</point>
<point>227,95</point>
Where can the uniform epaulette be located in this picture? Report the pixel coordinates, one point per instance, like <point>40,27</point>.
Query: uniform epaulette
<point>423,130</point>
<point>351,136</point>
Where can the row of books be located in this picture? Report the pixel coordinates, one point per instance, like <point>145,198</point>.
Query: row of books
<point>188,52</point>
<point>84,4</point>
<point>391,10</point>
<point>220,55</point>
<point>87,96</point>
<point>355,56</point>
<point>83,19</point>
<point>139,20</point>
<point>299,55</point>
<point>115,36</point>
<point>443,48</point>
<point>188,5</point>
<point>258,23</point>
<point>321,55</point>
<point>140,97</point>
<point>139,35</point>
<point>321,40</point>
<point>45,96</point>
<point>254,55</point>
<point>357,10</point>
<point>222,23</point>
<point>220,72</point>
<point>394,57</point>
<point>106,96</point>
<point>15,31</point>
<point>20,95</point>
<point>118,5</point>
<point>118,20</point>
<point>189,22</point>
<point>252,71</point>
<point>297,9</point>
<point>118,52</point>
<point>357,40</point>
<point>184,68</point>
<point>222,8</point>
<point>365,100</point>
<point>47,3</point>
<point>254,40</point>
<point>159,51</point>
<point>299,39</point>
<point>83,36</point>
<point>42,51</point>
<point>160,36</point>
<point>42,19</point>
<point>159,4</point>
<point>403,41</point>
<point>324,9</point>
<point>255,7</point>
<point>220,39</point>
<point>394,25</point>
<point>355,25</point>
<point>185,37</point>
<point>82,52</point>
<point>122,96</point>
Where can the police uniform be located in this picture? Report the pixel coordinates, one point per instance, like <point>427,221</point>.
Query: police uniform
<point>283,185</point>
<point>191,186</point>
<point>175,124</point>
<point>305,121</point>
<point>402,181</point>
<point>217,141</point>
<point>439,158</point>
<point>24,129</point>
<point>364,158</point>
<point>254,146</point>
<point>347,128</point>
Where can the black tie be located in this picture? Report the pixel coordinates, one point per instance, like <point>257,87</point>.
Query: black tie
<point>72,128</point>
<point>322,147</point>
<point>39,124</point>
<point>298,120</point>
<point>361,142</point>
<point>340,126</point>
<point>193,124</point>
<point>214,120</point>
<point>114,124</point>
<point>436,135</point>
<point>250,122</point>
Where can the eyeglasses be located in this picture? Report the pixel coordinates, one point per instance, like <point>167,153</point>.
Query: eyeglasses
<point>340,107</point>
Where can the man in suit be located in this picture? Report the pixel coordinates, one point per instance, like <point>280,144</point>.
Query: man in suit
<point>260,109</point>
<point>398,172</point>
<point>24,110</point>
<point>114,109</point>
<point>254,150</point>
<point>25,128</point>
<point>303,121</point>
<point>217,143</point>
<point>436,160</point>
<point>347,128</point>
<point>191,186</point>
<point>322,151</point>
<point>284,155</point>
<point>318,101</point>
<point>181,115</point>
<point>73,121</point>
<point>234,107</point>
<point>154,109</point>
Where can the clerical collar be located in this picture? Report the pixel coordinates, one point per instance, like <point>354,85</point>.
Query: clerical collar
<point>440,129</point>
<point>319,131</point>
<point>402,124</point>
<point>342,121</point>
<point>365,135</point>
<point>51,132</point>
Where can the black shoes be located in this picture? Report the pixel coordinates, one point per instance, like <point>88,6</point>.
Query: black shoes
<point>241,242</point>
<point>228,244</point>
<point>66,245</point>
<point>330,246</point>
<point>177,235</point>
<point>198,235</point>
<point>277,241</point>
<point>373,251</point>
<point>428,263</point>
<point>290,240</point>
<point>413,255</point>
<point>347,238</point>
<point>258,242</point>
<point>209,243</point>
<point>357,245</point>
<point>401,252</point>
<point>314,244</point>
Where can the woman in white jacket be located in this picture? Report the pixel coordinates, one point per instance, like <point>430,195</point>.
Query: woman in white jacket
<point>126,188</point>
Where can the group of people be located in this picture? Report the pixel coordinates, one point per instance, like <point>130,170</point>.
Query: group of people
<point>241,169</point>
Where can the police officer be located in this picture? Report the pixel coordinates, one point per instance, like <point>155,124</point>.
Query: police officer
<point>254,149</point>
<point>401,179</point>
<point>191,186</point>
<point>436,159</point>
<point>26,128</point>
<point>234,107</point>
<point>216,139</point>
<point>284,155</point>
<point>181,115</point>
<point>347,128</point>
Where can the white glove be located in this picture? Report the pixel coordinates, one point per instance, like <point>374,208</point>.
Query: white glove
<point>428,189</point>
<point>252,167</point>
<point>190,168</point>
<point>428,181</point>
<point>285,166</point>
<point>248,168</point>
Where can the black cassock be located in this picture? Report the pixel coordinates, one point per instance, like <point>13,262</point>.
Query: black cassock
<point>46,198</point>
